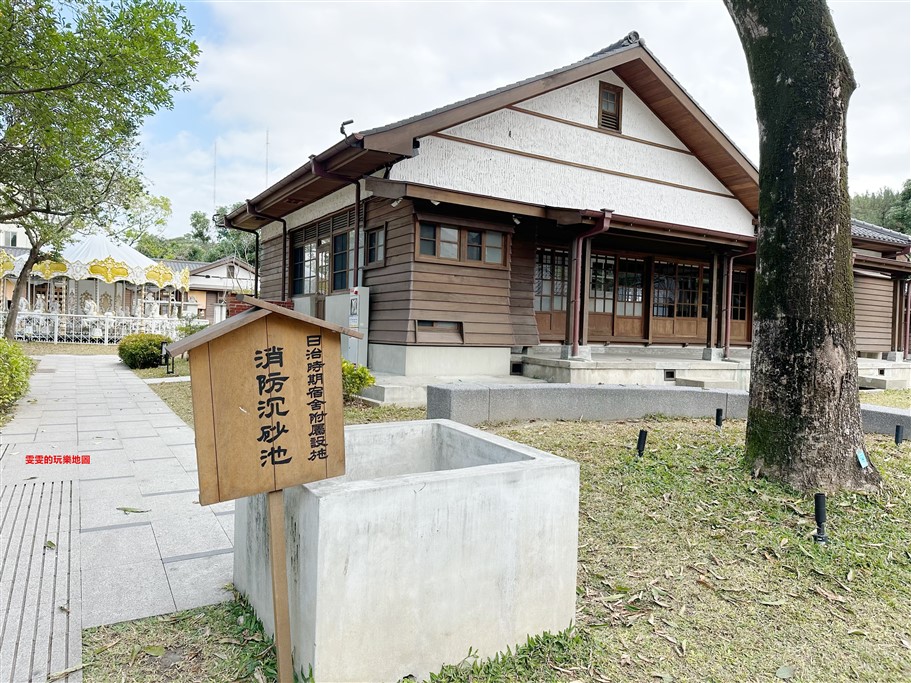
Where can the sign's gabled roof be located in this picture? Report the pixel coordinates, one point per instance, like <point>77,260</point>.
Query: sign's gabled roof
<point>260,310</point>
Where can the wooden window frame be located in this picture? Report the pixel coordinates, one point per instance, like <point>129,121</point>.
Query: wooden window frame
<point>462,260</point>
<point>593,298</point>
<point>539,298</point>
<point>740,288</point>
<point>618,91</point>
<point>703,290</point>
<point>325,228</point>
<point>380,262</point>
<point>622,306</point>
<point>348,251</point>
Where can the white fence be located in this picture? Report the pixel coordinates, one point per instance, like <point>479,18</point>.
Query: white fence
<point>85,329</point>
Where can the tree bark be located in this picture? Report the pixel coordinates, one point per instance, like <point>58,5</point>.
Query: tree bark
<point>9,327</point>
<point>804,427</point>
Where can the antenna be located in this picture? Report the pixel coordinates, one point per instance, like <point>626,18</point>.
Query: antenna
<point>214,173</point>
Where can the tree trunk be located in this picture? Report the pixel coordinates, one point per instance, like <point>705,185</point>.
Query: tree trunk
<point>9,328</point>
<point>804,426</point>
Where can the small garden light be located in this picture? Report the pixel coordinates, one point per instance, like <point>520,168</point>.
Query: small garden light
<point>719,417</point>
<point>640,445</point>
<point>819,509</point>
<point>899,435</point>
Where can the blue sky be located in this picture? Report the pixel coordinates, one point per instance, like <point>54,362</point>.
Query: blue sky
<point>297,69</point>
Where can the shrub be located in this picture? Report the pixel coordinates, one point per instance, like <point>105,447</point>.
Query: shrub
<point>15,368</point>
<point>190,325</point>
<point>141,350</point>
<point>354,378</point>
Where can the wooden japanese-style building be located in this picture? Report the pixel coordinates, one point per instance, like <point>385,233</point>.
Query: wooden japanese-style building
<point>593,204</point>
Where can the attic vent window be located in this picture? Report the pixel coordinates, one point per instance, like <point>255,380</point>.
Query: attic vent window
<point>611,107</point>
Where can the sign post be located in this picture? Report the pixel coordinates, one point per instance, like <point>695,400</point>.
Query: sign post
<point>268,414</point>
<point>280,586</point>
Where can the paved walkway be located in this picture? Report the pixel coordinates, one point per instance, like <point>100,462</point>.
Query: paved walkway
<point>103,564</point>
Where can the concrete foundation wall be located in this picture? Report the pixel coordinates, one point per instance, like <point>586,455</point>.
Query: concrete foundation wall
<point>438,360</point>
<point>439,538</point>
<point>641,371</point>
<point>473,404</point>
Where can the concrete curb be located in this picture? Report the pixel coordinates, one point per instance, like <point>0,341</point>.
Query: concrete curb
<point>473,404</point>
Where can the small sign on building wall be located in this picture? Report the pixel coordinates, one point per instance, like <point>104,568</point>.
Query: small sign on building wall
<point>267,401</point>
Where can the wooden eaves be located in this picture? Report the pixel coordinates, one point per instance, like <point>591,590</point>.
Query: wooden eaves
<point>397,189</point>
<point>260,310</point>
<point>362,154</point>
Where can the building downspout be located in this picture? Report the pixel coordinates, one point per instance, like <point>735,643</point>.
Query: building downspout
<point>255,234</point>
<point>320,172</point>
<point>906,350</point>
<point>602,226</point>
<point>729,299</point>
<point>253,212</point>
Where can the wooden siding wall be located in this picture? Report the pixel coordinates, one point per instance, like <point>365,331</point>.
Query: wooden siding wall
<point>390,284</point>
<point>404,290</point>
<point>522,290</point>
<point>270,271</point>
<point>873,313</point>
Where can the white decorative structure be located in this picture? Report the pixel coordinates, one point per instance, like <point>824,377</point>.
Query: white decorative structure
<point>95,282</point>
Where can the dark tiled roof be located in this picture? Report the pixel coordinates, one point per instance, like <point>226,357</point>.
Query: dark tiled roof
<point>868,231</point>
<point>226,259</point>
<point>629,41</point>
<point>179,265</point>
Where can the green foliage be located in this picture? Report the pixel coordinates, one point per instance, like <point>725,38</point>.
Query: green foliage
<point>198,245</point>
<point>899,216</point>
<point>540,652</point>
<point>354,378</point>
<point>885,208</point>
<point>77,81</point>
<point>189,326</point>
<point>144,215</point>
<point>70,128</point>
<point>141,350</point>
<point>15,368</point>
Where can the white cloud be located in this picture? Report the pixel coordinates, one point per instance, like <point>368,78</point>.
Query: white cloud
<point>300,69</point>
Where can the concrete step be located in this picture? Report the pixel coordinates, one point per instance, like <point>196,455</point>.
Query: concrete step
<point>406,395</point>
<point>705,383</point>
<point>880,382</point>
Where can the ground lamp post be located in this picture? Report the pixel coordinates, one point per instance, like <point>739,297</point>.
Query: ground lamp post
<point>268,415</point>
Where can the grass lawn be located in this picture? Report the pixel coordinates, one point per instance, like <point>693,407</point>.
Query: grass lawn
<point>178,397</point>
<point>223,642</point>
<point>181,369</point>
<point>893,398</point>
<point>47,348</point>
<point>689,570</point>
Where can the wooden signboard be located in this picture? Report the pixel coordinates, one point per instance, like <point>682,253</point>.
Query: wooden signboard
<point>268,414</point>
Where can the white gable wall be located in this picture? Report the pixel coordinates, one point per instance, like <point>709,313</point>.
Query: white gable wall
<point>542,161</point>
<point>579,103</point>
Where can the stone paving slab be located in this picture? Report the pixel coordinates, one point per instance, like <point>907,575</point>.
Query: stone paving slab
<point>109,565</point>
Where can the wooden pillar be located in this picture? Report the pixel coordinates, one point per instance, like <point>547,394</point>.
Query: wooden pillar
<point>897,307</point>
<point>648,283</point>
<point>586,290</point>
<point>712,341</point>
<point>280,601</point>
<point>571,275</point>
